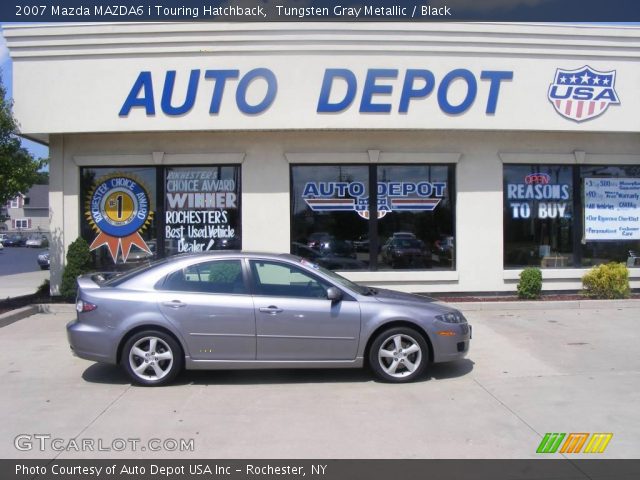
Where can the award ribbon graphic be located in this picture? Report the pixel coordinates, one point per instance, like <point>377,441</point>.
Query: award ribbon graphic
<point>118,209</point>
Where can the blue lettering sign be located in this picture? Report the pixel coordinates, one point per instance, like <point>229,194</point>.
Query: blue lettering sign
<point>408,90</point>
<point>241,93</point>
<point>472,89</point>
<point>495,77</point>
<point>417,84</point>
<point>142,85</point>
<point>220,77</point>
<point>190,97</point>
<point>324,106</point>
<point>371,88</point>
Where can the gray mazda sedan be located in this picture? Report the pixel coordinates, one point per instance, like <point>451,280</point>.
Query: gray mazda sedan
<point>232,310</point>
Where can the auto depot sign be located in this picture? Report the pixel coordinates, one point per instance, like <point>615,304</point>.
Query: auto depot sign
<point>371,94</point>
<point>478,94</point>
<point>305,92</point>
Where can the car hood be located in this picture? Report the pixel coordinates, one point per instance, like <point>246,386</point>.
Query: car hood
<point>400,298</point>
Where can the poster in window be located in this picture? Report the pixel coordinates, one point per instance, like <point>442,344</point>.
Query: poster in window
<point>612,208</point>
<point>118,210</point>
<point>202,209</point>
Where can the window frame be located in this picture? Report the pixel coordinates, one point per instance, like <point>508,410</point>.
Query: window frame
<point>22,223</point>
<point>160,173</point>
<point>578,174</point>
<point>372,169</point>
<point>161,178</point>
<point>162,285</point>
<point>255,277</point>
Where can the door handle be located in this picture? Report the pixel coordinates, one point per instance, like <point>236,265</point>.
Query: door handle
<point>174,304</point>
<point>271,309</point>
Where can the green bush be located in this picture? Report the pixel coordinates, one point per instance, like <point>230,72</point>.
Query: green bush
<point>609,280</point>
<point>530,284</point>
<point>43,289</point>
<point>78,263</point>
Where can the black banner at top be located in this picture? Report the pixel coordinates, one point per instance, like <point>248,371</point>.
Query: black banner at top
<point>320,10</point>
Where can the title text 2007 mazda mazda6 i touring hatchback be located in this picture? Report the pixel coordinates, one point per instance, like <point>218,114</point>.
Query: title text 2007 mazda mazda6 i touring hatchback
<point>239,310</point>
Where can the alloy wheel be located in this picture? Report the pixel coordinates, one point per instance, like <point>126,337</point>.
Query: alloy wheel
<point>151,358</point>
<point>400,355</point>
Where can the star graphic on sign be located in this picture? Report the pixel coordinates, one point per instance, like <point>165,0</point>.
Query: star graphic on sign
<point>596,80</point>
<point>605,81</point>
<point>563,79</point>
<point>573,79</point>
<point>585,78</point>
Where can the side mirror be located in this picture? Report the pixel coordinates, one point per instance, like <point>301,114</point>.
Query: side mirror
<point>334,294</point>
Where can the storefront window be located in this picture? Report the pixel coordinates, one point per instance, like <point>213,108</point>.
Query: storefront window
<point>199,210</point>
<point>416,224</point>
<point>329,211</point>
<point>119,215</point>
<point>202,209</point>
<point>330,216</point>
<point>538,216</point>
<point>611,230</point>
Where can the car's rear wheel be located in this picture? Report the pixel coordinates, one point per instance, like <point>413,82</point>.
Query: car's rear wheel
<point>399,355</point>
<point>152,358</point>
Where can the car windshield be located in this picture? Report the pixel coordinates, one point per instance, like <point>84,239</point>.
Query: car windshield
<point>339,279</point>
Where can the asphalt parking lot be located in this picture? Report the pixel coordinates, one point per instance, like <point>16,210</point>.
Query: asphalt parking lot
<point>15,260</point>
<point>529,372</point>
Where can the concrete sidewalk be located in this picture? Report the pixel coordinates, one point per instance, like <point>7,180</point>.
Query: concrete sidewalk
<point>529,372</point>
<point>20,284</point>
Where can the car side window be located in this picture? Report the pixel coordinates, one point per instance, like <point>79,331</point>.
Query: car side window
<point>283,280</point>
<point>218,276</point>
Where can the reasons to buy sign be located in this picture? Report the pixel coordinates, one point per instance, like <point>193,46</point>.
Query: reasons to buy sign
<point>612,208</point>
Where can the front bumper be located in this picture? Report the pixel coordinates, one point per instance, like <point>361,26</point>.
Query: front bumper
<point>451,341</point>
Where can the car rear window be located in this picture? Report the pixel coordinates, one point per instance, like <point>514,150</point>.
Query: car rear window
<point>120,278</point>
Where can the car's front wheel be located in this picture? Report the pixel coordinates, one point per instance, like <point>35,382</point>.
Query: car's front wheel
<point>152,358</point>
<point>399,355</point>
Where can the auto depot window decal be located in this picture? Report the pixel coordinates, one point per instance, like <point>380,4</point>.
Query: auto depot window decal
<point>392,196</point>
<point>415,216</point>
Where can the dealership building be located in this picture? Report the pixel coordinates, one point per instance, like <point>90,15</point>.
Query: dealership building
<point>424,157</point>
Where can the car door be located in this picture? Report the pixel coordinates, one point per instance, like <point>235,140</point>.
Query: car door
<point>294,318</point>
<point>209,302</point>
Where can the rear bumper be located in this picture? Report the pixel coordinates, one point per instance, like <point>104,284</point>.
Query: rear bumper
<point>90,342</point>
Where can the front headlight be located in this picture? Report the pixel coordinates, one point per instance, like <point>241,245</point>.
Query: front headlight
<point>452,317</point>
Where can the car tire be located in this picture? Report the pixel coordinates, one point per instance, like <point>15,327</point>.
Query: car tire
<point>152,358</point>
<point>399,355</point>
<point>44,267</point>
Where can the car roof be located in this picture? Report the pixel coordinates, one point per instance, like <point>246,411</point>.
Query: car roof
<point>231,254</point>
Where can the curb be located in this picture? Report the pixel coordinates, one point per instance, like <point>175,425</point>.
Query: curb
<point>18,314</point>
<point>21,313</point>
<point>55,308</point>
<point>545,305</point>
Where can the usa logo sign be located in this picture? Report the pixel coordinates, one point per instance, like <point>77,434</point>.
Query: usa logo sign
<point>583,94</point>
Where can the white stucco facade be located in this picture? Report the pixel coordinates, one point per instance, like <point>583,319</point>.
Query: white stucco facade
<point>71,84</point>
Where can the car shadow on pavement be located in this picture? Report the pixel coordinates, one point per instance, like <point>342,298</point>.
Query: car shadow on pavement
<point>104,373</point>
<point>111,374</point>
<point>443,371</point>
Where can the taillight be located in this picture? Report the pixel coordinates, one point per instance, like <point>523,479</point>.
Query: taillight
<point>82,306</point>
